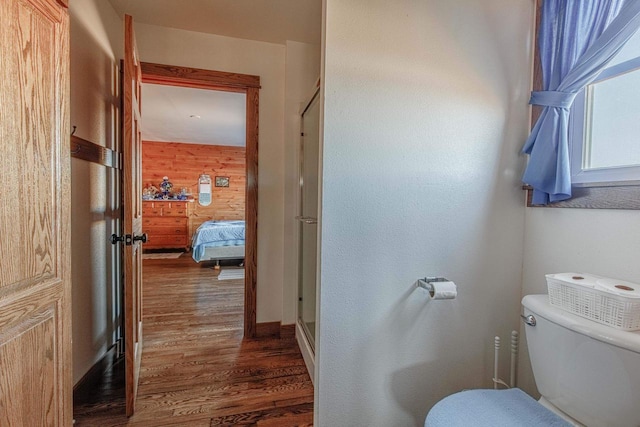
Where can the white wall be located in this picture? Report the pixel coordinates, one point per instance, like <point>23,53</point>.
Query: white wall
<point>302,72</point>
<point>96,43</point>
<point>425,112</point>
<point>267,60</point>
<point>602,242</point>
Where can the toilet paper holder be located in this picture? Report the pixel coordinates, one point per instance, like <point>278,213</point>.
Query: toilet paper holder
<point>427,283</point>
<point>439,288</point>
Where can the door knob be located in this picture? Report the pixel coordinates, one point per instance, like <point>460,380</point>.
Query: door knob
<point>115,239</point>
<point>142,238</point>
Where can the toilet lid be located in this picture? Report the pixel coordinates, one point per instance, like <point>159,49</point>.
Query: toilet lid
<point>492,408</point>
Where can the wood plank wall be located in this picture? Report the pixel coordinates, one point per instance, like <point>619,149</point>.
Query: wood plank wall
<point>183,164</point>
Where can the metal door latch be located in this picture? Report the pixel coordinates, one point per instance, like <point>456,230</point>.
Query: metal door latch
<point>142,238</point>
<point>115,239</point>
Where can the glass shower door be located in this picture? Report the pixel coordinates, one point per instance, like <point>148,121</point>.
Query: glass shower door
<point>308,219</point>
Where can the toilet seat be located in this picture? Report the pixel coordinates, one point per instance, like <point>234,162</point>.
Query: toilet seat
<point>492,408</point>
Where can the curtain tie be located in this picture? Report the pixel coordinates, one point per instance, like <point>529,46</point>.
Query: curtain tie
<point>552,98</point>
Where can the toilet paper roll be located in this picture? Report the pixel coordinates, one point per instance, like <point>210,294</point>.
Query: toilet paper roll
<point>443,290</point>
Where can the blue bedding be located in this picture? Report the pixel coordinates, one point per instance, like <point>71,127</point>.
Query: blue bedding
<point>217,233</point>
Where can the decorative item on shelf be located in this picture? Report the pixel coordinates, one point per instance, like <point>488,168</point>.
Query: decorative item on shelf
<point>150,192</point>
<point>166,187</point>
<point>222,181</point>
<point>182,195</point>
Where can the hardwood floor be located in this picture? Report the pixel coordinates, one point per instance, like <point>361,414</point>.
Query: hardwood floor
<point>196,368</point>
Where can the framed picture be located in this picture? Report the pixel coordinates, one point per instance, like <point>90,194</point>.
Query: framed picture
<point>222,181</point>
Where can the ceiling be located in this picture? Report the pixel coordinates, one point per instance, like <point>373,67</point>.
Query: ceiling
<point>167,110</point>
<point>197,116</point>
<point>273,21</point>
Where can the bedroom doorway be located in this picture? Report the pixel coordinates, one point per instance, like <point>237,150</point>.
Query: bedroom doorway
<point>231,86</point>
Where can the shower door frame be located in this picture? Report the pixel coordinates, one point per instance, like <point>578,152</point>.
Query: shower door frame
<point>307,342</point>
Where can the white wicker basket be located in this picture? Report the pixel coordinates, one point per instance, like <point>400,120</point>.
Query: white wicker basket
<point>615,303</point>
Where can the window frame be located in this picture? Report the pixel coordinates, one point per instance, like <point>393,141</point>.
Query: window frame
<point>606,176</point>
<point>601,195</point>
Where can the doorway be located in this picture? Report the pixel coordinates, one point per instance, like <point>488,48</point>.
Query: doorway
<point>194,175</point>
<point>240,83</point>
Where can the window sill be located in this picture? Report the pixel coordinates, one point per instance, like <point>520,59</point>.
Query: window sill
<point>620,197</point>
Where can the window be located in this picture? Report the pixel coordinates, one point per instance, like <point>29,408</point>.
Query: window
<point>605,124</point>
<point>593,186</point>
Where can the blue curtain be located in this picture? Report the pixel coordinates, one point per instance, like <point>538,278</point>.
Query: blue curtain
<point>577,39</point>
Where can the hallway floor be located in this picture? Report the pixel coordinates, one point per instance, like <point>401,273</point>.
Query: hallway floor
<point>196,368</point>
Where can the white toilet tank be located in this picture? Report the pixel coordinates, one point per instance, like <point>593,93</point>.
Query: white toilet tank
<point>589,371</point>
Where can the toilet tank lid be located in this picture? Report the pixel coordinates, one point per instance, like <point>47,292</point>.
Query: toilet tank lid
<point>539,305</point>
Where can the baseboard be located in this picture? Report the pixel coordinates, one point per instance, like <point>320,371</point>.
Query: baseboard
<point>307,352</point>
<point>94,374</point>
<point>275,330</point>
<point>268,329</point>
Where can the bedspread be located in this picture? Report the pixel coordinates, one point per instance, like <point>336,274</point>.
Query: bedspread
<point>217,233</point>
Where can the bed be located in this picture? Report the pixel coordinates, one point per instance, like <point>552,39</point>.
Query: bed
<point>218,240</point>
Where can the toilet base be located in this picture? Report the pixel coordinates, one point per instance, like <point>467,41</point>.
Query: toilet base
<point>544,402</point>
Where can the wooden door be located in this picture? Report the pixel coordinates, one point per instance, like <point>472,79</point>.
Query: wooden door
<point>35,266</point>
<point>132,208</point>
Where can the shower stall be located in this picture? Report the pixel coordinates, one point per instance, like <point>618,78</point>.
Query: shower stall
<point>308,229</point>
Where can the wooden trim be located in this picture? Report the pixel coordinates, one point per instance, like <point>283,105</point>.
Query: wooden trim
<point>275,329</point>
<point>536,110</point>
<point>251,214</point>
<point>87,150</point>
<point>267,329</point>
<point>250,85</point>
<point>194,77</point>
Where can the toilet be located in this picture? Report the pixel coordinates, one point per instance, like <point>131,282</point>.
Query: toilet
<point>588,375</point>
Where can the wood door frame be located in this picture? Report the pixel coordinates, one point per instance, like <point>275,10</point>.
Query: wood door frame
<point>171,75</point>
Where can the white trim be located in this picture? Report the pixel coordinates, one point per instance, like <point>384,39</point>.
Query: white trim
<point>305,349</point>
<point>578,120</point>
